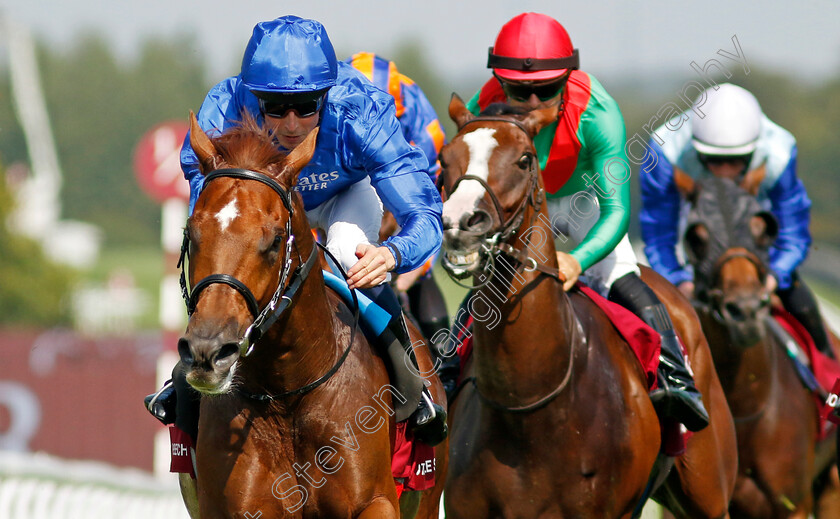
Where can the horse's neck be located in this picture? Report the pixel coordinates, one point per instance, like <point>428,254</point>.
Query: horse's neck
<point>524,322</point>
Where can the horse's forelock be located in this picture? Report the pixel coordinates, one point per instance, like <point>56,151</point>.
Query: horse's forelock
<point>494,109</point>
<point>248,145</point>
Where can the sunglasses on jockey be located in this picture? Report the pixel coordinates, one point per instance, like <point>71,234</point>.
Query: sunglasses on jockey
<point>718,160</point>
<point>544,90</point>
<point>304,104</point>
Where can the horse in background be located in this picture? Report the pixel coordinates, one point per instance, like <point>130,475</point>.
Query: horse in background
<point>727,240</point>
<point>557,421</point>
<point>297,411</point>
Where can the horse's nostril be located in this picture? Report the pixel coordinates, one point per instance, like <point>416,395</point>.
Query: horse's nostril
<point>735,312</point>
<point>227,354</point>
<point>184,351</point>
<point>475,221</point>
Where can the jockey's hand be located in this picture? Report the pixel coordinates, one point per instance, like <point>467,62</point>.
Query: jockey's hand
<point>407,280</point>
<point>570,268</point>
<point>771,284</point>
<point>373,266</point>
<point>687,289</point>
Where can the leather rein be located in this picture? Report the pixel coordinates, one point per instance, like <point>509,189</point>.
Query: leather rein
<point>498,244</point>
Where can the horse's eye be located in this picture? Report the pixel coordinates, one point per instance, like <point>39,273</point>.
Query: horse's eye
<point>525,161</point>
<point>278,240</point>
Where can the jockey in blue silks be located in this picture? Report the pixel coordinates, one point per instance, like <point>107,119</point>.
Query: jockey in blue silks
<point>291,82</point>
<point>733,137</point>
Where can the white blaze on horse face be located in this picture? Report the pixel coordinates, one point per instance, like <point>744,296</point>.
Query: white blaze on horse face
<point>465,198</point>
<point>227,214</point>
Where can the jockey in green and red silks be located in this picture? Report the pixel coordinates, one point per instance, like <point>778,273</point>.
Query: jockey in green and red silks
<point>586,175</point>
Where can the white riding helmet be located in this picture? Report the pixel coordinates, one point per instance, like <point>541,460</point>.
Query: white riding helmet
<point>732,123</point>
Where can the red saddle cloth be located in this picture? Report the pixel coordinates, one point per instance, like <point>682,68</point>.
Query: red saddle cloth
<point>412,462</point>
<point>825,369</point>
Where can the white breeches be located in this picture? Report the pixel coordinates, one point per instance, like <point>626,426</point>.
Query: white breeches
<point>350,218</point>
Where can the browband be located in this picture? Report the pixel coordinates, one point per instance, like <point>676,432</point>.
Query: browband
<point>533,64</point>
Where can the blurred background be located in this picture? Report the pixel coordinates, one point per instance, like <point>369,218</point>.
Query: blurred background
<point>93,95</point>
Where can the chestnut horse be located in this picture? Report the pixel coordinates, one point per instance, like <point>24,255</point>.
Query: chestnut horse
<point>558,422</point>
<point>727,241</point>
<point>296,414</point>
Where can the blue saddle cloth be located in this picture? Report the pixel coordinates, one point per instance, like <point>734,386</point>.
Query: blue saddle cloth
<point>373,317</point>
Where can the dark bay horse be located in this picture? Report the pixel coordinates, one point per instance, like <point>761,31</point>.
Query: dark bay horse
<point>558,423</point>
<point>727,241</point>
<point>296,414</point>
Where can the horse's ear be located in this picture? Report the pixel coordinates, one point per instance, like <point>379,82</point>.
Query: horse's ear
<point>764,229</point>
<point>458,111</point>
<point>539,119</point>
<point>685,184</point>
<point>753,179</point>
<point>696,242</point>
<point>208,157</point>
<point>298,158</point>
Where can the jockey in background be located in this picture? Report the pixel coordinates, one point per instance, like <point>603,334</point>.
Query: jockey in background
<point>585,173</point>
<point>291,82</point>
<point>421,127</point>
<point>733,137</point>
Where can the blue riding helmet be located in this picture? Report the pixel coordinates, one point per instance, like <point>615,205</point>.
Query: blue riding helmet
<point>289,55</point>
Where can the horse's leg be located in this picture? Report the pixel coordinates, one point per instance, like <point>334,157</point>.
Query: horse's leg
<point>189,492</point>
<point>705,474</point>
<point>430,501</point>
<point>379,508</point>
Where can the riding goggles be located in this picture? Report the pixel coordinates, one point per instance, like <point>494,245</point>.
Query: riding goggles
<point>521,91</point>
<point>716,160</point>
<point>304,105</point>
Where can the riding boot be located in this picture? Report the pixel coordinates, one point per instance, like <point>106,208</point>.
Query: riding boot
<point>428,420</point>
<point>801,303</point>
<point>162,403</point>
<point>676,396</point>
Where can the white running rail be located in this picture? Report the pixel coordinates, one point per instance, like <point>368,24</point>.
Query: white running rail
<point>38,486</point>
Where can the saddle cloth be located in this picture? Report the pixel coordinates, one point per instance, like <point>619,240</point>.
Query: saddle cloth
<point>825,369</point>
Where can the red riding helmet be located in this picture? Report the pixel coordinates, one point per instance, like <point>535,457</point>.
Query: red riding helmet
<point>532,47</point>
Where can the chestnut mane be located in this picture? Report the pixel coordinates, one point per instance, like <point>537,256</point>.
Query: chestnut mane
<point>248,145</point>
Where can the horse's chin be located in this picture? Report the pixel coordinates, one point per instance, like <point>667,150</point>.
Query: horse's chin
<point>461,264</point>
<point>210,382</point>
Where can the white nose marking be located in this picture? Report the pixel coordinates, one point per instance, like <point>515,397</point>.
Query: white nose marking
<point>227,214</point>
<point>481,144</point>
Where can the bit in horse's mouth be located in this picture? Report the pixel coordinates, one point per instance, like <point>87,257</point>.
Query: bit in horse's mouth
<point>461,263</point>
<point>462,259</point>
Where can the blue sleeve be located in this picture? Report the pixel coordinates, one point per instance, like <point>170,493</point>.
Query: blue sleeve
<point>421,126</point>
<point>792,208</point>
<point>660,214</point>
<point>398,172</point>
<point>220,107</point>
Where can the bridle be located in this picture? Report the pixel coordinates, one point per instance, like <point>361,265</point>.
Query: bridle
<point>497,242</point>
<point>712,297</point>
<point>283,295</point>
